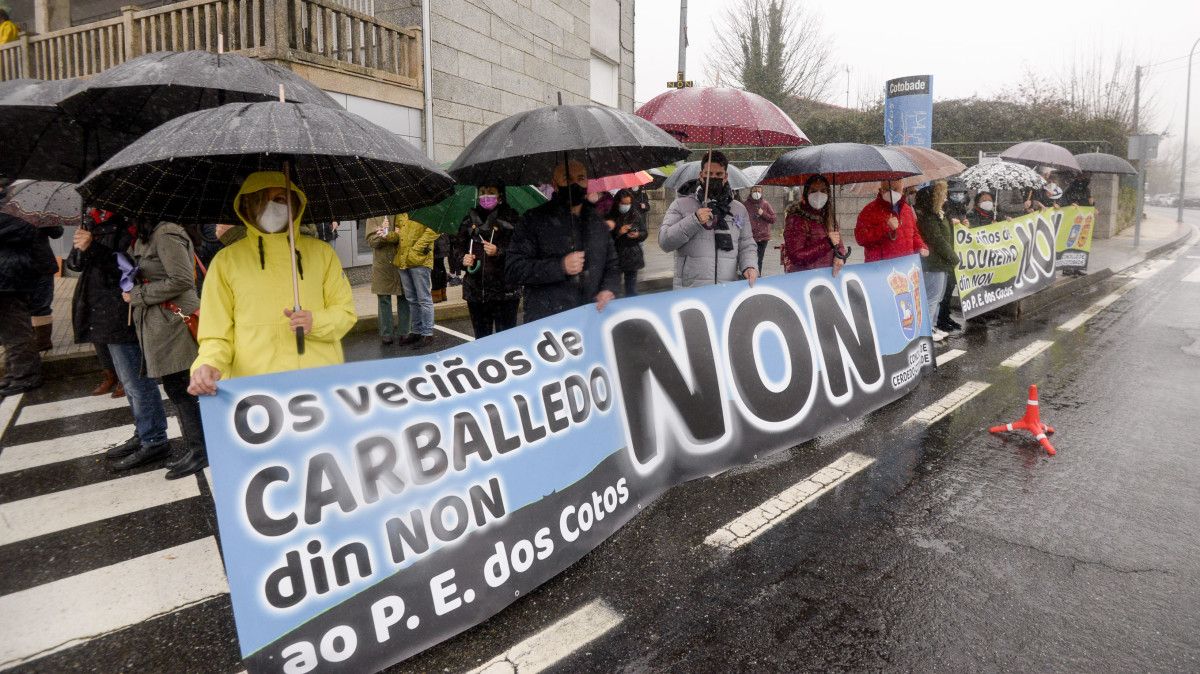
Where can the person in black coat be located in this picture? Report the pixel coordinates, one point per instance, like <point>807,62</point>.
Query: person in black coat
<point>481,245</point>
<point>562,252</point>
<point>101,316</point>
<point>19,274</point>
<point>629,231</point>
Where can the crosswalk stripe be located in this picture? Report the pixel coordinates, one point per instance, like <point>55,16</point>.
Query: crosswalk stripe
<point>8,407</point>
<point>64,613</point>
<point>73,407</point>
<point>943,358</point>
<point>1193,277</point>
<point>1027,354</point>
<point>454,333</point>
<point>1095,308</point>
<point>40,515</point>
<point>948,403</point>
<point>45,452</point>
<point>555,642</point>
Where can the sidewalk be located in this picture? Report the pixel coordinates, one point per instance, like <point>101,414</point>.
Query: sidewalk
<point>1108,256</point>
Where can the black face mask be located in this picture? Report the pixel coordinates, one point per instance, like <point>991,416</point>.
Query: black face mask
<point>572,194</point>
<point>716,190</point>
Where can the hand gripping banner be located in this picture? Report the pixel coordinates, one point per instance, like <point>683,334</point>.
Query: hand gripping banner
<point>370,510</point>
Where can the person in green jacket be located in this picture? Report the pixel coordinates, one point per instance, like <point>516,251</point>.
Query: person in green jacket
<point>938,233</point>
<point>414,258</point>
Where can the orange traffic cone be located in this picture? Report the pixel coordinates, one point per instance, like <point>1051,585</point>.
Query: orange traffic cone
<point>1031,422</point>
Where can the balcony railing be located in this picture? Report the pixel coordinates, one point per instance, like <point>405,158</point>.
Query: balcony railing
<point>320,32</point>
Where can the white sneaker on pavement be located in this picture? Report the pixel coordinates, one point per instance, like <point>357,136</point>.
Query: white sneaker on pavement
<point>939,335</point>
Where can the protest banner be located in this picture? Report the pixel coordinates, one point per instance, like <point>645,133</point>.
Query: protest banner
<point>1015,258</point>
<point>370,510</point>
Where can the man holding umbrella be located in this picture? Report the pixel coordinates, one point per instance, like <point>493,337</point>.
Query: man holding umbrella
<point>709,231</point>
<point>562,252</point>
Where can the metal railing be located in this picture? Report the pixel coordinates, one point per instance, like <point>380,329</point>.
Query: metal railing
<point>321,32</point>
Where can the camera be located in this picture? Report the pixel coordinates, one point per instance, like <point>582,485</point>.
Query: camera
<point>722,235</point>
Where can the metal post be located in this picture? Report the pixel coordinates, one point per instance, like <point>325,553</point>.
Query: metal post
<point>1187,108</point>
<point>1141,195</point>
<point>427,76</point>
<point>682,39</point>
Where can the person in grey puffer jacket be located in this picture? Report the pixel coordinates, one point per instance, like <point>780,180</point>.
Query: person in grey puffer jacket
<point>709,250</point>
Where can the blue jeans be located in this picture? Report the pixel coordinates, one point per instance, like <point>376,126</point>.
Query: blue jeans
<point>935,289</point>
<point>419,293</point>
<point>388,328</point>
<point>149,417</point>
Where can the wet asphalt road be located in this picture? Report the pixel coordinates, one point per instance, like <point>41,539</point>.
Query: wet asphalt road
<point>956,550</point>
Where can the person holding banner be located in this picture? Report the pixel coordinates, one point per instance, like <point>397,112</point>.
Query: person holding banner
<point>709,231</point>
<point>984,212</point>
<point>938,233</point>
<point>811,238</point>
<point>482,241</point>
<point>562,252</point>
<point>887,226</point>
<point>248,325</point>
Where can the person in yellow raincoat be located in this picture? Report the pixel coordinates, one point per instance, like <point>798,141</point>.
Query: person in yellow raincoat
<point>414,258</point>
<point>9,32</point>
<point>247,325</point>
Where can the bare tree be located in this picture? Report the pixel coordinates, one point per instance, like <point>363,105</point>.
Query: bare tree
<point>1096,82</point>
<point>774,48</point>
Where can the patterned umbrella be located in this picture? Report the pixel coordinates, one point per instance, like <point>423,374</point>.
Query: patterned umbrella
<point>1001,175</point>
<point>189,169</point>
<point>840,163</point>
<point>934,165</point>
<point>524,149</point>
<point>41,142</point>
<point>690,171</point>
<point>1041,153</point>
<point>721,116</point>
<point>1099,162</point>
<point>44,203</point>
<point>142,93</point>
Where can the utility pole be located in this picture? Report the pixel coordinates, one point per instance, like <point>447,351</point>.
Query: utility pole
<point>682,40</point>
<point>847,86</point>
<point>1187,109</point>
<point>1141,159</point>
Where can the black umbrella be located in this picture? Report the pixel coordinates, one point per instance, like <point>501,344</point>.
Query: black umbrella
<point>1100,162</point>
<point>189,169</point>
<point>145,92</point>
<point>840,163</point>
<point>42,142</point>
<point>524,148</point>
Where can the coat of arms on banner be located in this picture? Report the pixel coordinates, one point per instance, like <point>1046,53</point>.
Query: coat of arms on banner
<point>906,289</point>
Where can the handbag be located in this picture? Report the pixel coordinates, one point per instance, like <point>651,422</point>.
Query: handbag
<point>192,320</point>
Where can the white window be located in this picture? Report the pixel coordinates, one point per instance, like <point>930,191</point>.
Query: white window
<point>604,81</point>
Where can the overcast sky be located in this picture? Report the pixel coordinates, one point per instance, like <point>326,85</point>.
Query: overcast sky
<point>969,47</point>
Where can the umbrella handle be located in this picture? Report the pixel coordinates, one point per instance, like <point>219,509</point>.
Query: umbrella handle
<point>300,341</point>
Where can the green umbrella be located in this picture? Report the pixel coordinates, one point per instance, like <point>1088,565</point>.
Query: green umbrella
<point>446,216</point>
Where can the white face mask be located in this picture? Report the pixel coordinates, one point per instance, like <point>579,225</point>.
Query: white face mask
<point>274,217</point>
<point>1054,191</point>
<point>818,200</point>
<point>895,196</point>
<point>756,195</point>
<point>986,206</point>
<point>624,208</point>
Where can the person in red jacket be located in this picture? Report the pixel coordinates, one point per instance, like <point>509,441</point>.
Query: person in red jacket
<point>887,227</point>
<point>811,238</point>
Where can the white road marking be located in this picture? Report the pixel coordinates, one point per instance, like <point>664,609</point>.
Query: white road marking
<point>943,358</point>
<point>73,407</point>
<point>1193,277</point>
<point>45,452</point>
<point>55,616</point>
<point>39,515</point>
<point>454,333</point>
<point>547,647</point>
<point>1193,257</point>
<point>1027,354</point>
<point>1151,269</point>
<point>752,524</point>
<point>1096,307</point>
<point>8,407</point>
<point>948,403</point>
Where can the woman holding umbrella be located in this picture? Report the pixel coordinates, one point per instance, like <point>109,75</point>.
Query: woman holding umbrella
<point>481,244</point>
<point>246,327</point>
<point>811,238</point>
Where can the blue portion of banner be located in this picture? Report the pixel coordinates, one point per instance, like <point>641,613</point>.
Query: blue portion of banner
<point>908,111</point>
<point>329,481</point>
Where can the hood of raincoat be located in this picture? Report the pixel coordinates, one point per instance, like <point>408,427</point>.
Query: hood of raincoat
<point>261,180</point>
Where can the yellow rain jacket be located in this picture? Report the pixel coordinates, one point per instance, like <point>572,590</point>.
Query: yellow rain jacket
<point>414,243</point>
<point>243,331</point>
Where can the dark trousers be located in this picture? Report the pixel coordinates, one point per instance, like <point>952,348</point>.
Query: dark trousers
<point>488,318</point>
<point>630,283</point>
<point>22,363</point>
<point>105,358</point>
<point>944,307</point>
<point>762,251</point>
<point>187,406</point>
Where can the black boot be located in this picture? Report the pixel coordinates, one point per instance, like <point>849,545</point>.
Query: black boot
<point>142,455</point>
<point>124,449</point>
<point>193,462</point>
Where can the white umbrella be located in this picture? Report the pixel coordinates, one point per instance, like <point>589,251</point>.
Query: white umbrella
<point>691,171</point>
<point>755,173</point>
<point>1001,175</point>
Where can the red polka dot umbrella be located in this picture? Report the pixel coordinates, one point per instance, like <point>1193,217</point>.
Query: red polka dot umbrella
<point>722,116</point>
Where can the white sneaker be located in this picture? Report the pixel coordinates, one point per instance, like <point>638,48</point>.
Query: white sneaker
<point>938,335</point>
